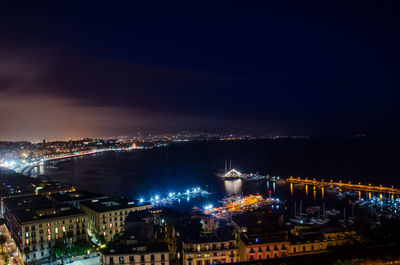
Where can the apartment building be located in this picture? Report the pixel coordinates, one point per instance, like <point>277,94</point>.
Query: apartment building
<point>36,224</point>
<point>106,217</point>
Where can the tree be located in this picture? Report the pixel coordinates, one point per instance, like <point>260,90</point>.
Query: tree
<point>101,238</point>
<point>26,251</point>
<point>3,240</point>
<point>60,250</point>
<point>81,247</point>
<point>6,259</point>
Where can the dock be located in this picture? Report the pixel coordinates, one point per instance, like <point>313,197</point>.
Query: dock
<point>345,185</point>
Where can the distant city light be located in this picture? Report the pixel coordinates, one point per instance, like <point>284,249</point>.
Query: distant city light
<point>8,164</point>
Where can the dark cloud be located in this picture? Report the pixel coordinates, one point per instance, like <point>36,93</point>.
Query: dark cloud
<point>51,93</point>
<point>252,68</point>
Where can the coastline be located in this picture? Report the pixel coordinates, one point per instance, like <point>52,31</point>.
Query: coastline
<point>27,169</point>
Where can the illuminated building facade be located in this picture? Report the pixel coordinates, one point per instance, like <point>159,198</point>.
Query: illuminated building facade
<point>106,217</point>
<point>36,225</point>
<point>132,252</point>
<point>209,251</point>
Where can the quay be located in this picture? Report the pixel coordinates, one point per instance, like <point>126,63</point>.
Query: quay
<point>343,185</point>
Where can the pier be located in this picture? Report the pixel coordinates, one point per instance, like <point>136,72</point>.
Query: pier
<point>345,185</point>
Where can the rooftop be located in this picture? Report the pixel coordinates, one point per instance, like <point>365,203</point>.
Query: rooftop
<point>222,235</point>
<point>256,239</point>
<point>306,235</point>
<point>262,227</point>
<point>32,214</point>
<point>259,221</point>
<point>109,204</point>
<point>26,201</point>
<point>335,229</point>
<point>129,247</point>
<point>166,212</point>
<point>80,195</point>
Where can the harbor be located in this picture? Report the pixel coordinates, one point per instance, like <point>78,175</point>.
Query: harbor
<point>175,197</point>
<point>238,204</point>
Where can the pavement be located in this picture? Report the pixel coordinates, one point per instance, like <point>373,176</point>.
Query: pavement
<point>91,261</point>
<point>10,247</point>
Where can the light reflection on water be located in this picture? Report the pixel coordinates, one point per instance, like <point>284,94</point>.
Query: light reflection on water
<point>233,186</point>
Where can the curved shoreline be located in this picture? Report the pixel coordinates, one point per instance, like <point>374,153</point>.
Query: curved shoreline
<point>26,170</point>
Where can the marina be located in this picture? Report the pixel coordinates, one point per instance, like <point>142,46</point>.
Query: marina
<point>238,204</point>
<point>175,197</point>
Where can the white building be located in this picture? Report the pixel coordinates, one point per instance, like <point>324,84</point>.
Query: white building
<point>131,252</point>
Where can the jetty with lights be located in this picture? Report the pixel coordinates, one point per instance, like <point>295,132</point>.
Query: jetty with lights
<point>344,185</point>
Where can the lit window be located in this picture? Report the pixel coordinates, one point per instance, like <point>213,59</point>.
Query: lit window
<point>48,231</point>
<point>56,229</point>
<point>27,234</point>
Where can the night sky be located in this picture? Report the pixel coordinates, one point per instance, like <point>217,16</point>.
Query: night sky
<point>323,68</point>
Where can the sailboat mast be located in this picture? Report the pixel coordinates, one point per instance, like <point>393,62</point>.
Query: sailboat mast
<point>344,215</point>
<point>301,205</point>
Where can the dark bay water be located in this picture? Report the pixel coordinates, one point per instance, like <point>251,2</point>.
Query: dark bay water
<point>143,173</point>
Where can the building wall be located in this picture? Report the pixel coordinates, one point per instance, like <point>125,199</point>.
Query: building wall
<point>161,258</point>
<point>209,253</point>
<point>107,223</point>
<point>305,248</point>
<point>41,236</point>
<point>330,240</point>
<point>263,251</point>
